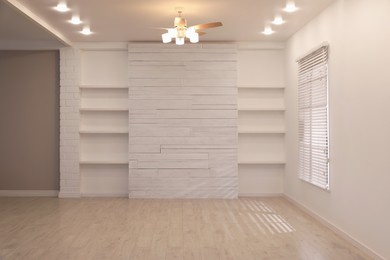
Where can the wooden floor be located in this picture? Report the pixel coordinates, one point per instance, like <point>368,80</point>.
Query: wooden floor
<point>119,228</point>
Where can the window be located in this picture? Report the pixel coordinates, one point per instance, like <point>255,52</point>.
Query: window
<point>313,117</point>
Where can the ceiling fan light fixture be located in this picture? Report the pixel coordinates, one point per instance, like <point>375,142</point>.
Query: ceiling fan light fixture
<point>166,37</point>
<point>181,31</point>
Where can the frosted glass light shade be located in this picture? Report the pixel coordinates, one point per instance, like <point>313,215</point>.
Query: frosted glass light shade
<point>179,41</point>
<point>194,38</point>
<point>166,38</point>
<point>172,32</point>
<point>190,32</point>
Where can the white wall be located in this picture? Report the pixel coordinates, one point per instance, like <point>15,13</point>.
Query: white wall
<point>98,171</point>
<point>359,38</point>
<point>69,123</point>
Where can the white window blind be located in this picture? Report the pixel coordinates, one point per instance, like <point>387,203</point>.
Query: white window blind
<point>313,117</point>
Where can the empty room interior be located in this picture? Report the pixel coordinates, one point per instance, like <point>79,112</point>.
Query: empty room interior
<point>180,129</point>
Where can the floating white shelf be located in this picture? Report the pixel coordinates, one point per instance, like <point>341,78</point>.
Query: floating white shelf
<point>254,131</point>
<point>261,162</point>
<point>261,109</point>
<point>103,131</point>
<point>261,87</point>
<point>104,109</point>
<point>104,162</point>
<point>104,87</point>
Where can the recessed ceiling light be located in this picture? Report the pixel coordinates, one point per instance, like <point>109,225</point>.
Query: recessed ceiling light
<point>75,20</point>
<point>62,7</point>
<point>290,7</point>
<point>278,20</point>
<point>86,31</point>
<point>268,30</point>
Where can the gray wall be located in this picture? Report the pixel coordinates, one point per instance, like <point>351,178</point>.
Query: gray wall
<point>29,120</point>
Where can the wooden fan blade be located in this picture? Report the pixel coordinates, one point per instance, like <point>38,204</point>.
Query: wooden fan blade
<point>159,28</point>
<point>201,33</point>
<point>206,25</point>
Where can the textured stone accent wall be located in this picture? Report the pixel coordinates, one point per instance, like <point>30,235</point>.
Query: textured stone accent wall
<point>69,122</point>
<point>183,121</point>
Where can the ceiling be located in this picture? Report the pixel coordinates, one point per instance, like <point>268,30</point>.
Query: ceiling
<point>138,20</point>
<point>17,31</point>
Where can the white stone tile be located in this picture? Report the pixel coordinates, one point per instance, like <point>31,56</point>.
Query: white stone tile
<point>200,146</point>
<point>190,90</point>
<point>199,150</point>
<point>162,173</point>
<point>184,140</point>
<point>168,157</point>
<point>174,164</point>
<point>160,104</point>
<point>150,173</point>
<point>215,131</point>
<point>178,92</point>
<point>211,65</point>
<point>210,82</point>
<point>209,113</point>
<point>214,100</point>
<point>154,82</point>
<point>182,56</point>
<point>142,148</point>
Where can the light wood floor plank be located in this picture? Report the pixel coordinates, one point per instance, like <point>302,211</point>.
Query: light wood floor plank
<point>119,228</point>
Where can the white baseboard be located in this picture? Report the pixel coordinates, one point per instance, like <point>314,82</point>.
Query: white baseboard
<point>243,195</point>
<point>28,193</point>
<point>65,195</point>
<point>105,195</point>
<point>335,229</point>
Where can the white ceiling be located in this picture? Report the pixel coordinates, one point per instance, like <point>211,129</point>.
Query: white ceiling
<point>136,20</point>
<point>17,31</point>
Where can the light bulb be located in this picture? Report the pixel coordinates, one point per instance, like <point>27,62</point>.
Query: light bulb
<point>290,7</point>
<point>86,31</point>
<point>179,41</point>
<point>75,20</point>
<point>278,20</point>
<point>166,38</point>
<point>194,37</point>
<point>268,30</point>
<point>62,7</point>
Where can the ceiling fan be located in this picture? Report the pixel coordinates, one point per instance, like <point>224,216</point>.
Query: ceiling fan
<point>181,31</point>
